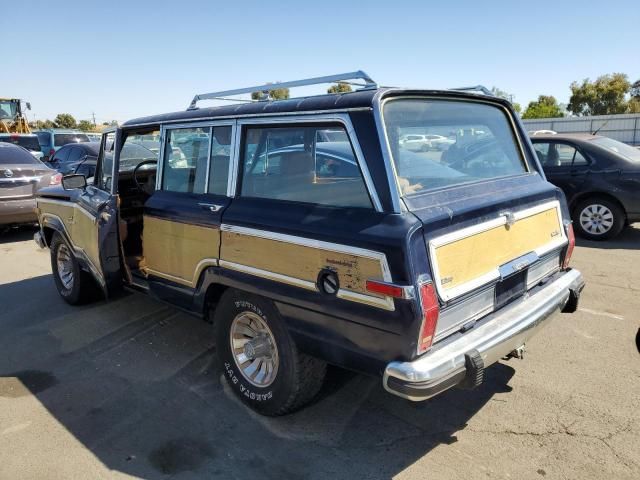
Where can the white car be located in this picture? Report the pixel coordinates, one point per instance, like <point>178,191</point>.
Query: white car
<point>424,143</point>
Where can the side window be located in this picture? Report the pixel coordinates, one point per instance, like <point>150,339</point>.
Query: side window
<point>295,164</point>
<point>106,167</point>
<point>542,151</point>
<point>43,138</point>
<point>220,160</point>
<point>185,160</point>
<point>579,159</point>
<point>565,154</point>
<point>61,155</point>
<point>75,154</point>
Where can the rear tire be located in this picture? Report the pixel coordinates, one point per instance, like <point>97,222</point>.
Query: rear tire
<point>598,218</point>
<point>259,359</point>
<point>74,285</point>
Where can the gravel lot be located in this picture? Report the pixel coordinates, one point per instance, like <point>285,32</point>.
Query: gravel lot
<point>131,388</point>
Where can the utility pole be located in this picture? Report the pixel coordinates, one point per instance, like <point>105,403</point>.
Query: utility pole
<point>93,114</point>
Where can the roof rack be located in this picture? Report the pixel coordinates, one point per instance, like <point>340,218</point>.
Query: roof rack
<point>476,88</point>
<point>341,77</point>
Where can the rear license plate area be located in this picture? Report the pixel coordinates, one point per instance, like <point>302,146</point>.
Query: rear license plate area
<point>510,288</point>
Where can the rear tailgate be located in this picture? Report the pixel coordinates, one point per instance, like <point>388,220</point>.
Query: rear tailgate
<point>490,246</point>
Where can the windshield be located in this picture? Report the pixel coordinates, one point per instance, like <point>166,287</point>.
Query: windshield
<point>622,149</point>
<point>8,109</point>
<point>61,139</point>
<point>28,142</point>
<point>440,143</point>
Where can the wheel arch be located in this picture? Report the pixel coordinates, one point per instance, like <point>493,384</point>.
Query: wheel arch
<point>595,194</point>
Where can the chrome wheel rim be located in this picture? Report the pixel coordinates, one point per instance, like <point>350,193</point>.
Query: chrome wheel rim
<point>254,349</point>
<point>64,261</point>
<point>596,219</point>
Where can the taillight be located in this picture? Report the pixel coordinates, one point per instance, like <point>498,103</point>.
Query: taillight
<point>572,243</point>
<point>52,152</point>
<point>56,179</point>
<point>383,288</point>
<point>430,313</point>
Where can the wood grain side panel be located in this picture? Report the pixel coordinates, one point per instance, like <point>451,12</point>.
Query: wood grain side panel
<point>472,257</point>
<point>299,261</point>
<point>177,249</point>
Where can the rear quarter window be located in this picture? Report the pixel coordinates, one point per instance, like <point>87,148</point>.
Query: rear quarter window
<point>298,164</point>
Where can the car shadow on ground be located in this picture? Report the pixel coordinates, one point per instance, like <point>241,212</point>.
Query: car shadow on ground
<point>629,239</point>
<point>137,383</point>
<point>16,234</point>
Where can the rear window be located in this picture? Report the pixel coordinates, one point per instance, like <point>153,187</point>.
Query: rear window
<point>622,149</point>
<point>12,155</point>
<point>477,143</point>
<point>61,139</point>
<point>30,142</point>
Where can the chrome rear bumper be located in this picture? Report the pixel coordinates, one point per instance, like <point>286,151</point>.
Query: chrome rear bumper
<point>463,359</point>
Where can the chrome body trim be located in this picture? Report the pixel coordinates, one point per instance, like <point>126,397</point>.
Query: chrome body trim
<point>386,303</point>
<point>310,242</point>
<point>68,203</point>
<point>434,243</point>
<point>134,126</point>
<point>503,332</point>
<point>209,125</point>
<point>392,179</point>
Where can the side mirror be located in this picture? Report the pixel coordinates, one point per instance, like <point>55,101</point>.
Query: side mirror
<point>28,106</point>
<point>73,182</point>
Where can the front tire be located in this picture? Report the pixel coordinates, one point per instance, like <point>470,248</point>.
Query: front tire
<point>259,359</point>
<point>598,218</point>
<point>74,285</point>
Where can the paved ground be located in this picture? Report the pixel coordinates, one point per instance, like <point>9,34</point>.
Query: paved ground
<point>130,388</point>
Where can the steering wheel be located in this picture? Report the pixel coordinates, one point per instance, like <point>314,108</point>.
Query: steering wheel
<point>144,188</point>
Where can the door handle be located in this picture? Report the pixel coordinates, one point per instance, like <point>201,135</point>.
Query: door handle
<point>212,207</point>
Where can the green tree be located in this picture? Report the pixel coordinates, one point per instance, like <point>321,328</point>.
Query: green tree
<point>86,126</point>
<point>545,107</point>
<point>275,94</point>
<point>340,87</point>
<point>634,105</point>
<point>604,96</point>
<point>64,120</point>
<point>507,96</point>
<point>40,124</point>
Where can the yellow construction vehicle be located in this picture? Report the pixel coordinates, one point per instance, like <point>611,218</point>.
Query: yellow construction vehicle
<point>12,119</point>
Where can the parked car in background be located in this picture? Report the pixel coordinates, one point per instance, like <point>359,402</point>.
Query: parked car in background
<point>599,176</point>
<point>423,143</point>
<point>70,156</point>
<point>51,140</point>
<point>21,175</point>
<point>94,136</point>
<point>28,141</point>
<point>415,143</point>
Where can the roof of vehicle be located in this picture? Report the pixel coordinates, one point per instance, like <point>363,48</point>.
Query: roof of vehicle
<point>569,136</point>
<point>359,99</point>
<point>3,134</point>
<point>59,130</point>
<point>93,148</point>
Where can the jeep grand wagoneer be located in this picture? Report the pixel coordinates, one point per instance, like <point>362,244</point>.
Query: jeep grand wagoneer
<point>308,235</point>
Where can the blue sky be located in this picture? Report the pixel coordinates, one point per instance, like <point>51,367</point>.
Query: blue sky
<point>127,59</point>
